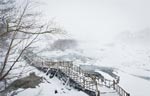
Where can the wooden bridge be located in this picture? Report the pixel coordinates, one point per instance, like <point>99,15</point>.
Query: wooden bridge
<point>86,80</point>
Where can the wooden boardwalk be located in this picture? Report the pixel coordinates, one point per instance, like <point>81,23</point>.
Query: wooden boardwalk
<point>86,80</point>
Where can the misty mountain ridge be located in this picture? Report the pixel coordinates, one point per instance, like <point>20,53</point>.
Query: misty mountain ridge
<point>139,38</point>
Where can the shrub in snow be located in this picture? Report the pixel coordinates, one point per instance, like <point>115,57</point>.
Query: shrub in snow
<point>56,91</point>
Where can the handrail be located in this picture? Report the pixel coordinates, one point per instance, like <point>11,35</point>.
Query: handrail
<point>120,90</point>
<point>79,75</point>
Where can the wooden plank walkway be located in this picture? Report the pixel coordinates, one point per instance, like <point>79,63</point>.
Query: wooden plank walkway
<point>83,78</point>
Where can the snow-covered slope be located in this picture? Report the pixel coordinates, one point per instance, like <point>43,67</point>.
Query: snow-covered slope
<point>48,88</point>
<point>131,61</point>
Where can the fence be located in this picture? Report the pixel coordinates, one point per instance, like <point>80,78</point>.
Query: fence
<point>74,72</point>
<point>120,90</point>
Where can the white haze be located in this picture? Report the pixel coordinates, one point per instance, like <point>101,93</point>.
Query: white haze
<point>98,20</point>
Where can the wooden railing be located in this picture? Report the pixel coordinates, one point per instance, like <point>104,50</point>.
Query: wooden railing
<point>67,67</point>
<point>78,75</point>
<point>75,73</point>
<point>120,90</point>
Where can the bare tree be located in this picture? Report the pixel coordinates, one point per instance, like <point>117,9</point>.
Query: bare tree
<point>19,28</point>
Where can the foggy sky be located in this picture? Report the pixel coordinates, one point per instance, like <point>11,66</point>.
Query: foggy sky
<point>98,20</point>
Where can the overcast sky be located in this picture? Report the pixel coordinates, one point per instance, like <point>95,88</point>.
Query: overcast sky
<point>98,20</point>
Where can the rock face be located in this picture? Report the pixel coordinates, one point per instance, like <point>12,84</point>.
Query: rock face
<point>30,81</point>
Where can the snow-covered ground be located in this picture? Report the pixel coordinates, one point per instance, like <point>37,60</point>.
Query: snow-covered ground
<point>132,64</point>
<point>48,87</point>
<point>136,86</point>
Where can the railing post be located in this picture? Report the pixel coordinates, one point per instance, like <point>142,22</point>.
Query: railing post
<point>114,84</point>
<point>83,82</point>
<point>98,93</point>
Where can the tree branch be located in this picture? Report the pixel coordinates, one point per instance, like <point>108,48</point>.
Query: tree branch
<point>2,77</point>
